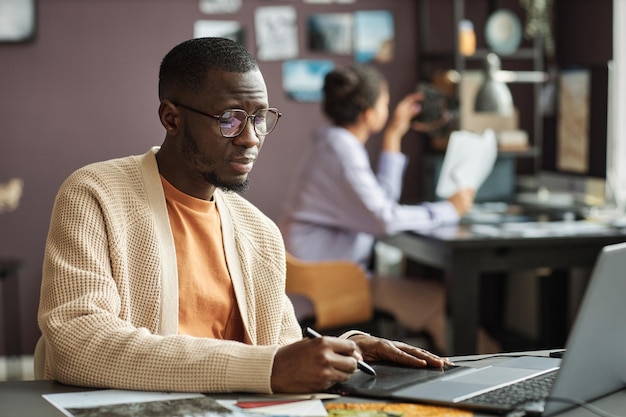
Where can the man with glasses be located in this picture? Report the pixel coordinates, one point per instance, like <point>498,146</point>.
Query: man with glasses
<point>158,276</point>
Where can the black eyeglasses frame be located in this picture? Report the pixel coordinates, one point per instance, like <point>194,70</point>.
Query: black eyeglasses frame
<point>248,117</point>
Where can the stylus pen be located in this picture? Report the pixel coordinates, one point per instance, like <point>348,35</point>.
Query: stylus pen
<point>360,364</point>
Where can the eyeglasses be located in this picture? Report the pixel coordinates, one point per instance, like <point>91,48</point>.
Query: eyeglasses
<point>233,121</point>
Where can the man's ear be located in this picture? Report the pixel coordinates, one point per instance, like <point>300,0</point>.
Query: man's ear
<point>168,114</point>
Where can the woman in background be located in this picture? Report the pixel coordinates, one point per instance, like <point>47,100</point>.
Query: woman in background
<point>338,206</point>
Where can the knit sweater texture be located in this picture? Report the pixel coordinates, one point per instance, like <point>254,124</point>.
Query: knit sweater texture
<point>109,294</point>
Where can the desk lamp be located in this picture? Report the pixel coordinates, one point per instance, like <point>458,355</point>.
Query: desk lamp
<point>494,95</point>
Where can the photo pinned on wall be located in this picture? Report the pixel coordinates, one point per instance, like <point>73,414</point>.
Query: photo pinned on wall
<point>276,33</point>
<point>330,33</point>
<point>229,29</point>
<point>373,36</point>
<point>18,20</point>
<point>219,6</point>
<point>303,79</point>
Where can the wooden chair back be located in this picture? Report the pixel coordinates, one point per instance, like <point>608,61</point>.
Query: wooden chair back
<point>339,291</point>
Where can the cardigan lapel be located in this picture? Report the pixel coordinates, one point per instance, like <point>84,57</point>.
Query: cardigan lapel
<point>169,271</point>
<point>234,265</point>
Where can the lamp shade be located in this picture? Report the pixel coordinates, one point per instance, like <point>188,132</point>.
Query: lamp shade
<point>493,95</point>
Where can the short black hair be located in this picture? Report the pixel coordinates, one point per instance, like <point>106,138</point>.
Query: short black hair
<point>349,91</point>
<point>186,66</point>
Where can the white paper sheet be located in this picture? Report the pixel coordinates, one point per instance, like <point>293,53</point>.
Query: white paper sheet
<point>468,161</point>
<point>276,32</point>
<point>308,408</point>
<point>309,405</point>
<point>302,408</point>
<point>91,399</point>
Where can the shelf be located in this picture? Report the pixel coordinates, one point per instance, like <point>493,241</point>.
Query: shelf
<point>480,54</point>
<point>530,152</point>
<point>435,56</point>
<point>521,53</point>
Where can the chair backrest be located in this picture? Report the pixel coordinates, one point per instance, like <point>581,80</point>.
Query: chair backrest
<point>339,290</point>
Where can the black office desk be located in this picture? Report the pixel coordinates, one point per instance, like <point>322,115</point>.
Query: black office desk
<point>24,398</point>
<point>464,255</point>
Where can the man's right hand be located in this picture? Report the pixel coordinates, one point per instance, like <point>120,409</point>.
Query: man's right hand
<point>313,365</point>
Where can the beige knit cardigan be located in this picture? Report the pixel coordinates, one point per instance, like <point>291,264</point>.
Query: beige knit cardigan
<point>109,295</point>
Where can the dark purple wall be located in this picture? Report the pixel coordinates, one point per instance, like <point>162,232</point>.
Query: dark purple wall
<point>85,90</point>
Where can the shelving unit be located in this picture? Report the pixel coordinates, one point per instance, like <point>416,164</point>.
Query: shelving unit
<point>445,54</point>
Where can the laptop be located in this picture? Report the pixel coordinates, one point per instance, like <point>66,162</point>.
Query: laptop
<point>592,365</point>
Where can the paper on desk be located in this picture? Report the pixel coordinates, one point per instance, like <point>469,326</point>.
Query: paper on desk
<point>282,406</point>
<point>124,403</point>
<point>468,161</point>
<point>276,399</point>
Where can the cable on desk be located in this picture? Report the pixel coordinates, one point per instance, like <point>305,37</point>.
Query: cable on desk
<point>519,412</point>
<point>583,404</point>
<point>482,358</point>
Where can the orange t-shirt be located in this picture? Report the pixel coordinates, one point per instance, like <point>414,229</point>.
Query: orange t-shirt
<point>207,306</point>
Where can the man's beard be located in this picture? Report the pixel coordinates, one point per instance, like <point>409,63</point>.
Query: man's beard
<point>237,187</point>
<point>192,154</point>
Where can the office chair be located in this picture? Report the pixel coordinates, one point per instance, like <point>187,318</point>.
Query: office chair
<point>330,294</point>
<point>335,296</point>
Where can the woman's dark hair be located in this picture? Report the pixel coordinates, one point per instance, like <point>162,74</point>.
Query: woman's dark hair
<point>186,66</point>
<point>349,91</point>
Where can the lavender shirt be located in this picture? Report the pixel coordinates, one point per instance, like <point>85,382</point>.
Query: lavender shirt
<point>337,206</point>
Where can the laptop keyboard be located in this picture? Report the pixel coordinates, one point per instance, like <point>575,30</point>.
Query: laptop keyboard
<point>532,389</point>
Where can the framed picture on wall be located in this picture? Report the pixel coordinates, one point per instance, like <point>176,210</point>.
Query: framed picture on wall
<point>303,79</point>
<point>373,36</point>
<point>330,32</point>
<point>229,29</point>
<point>18,20</point>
